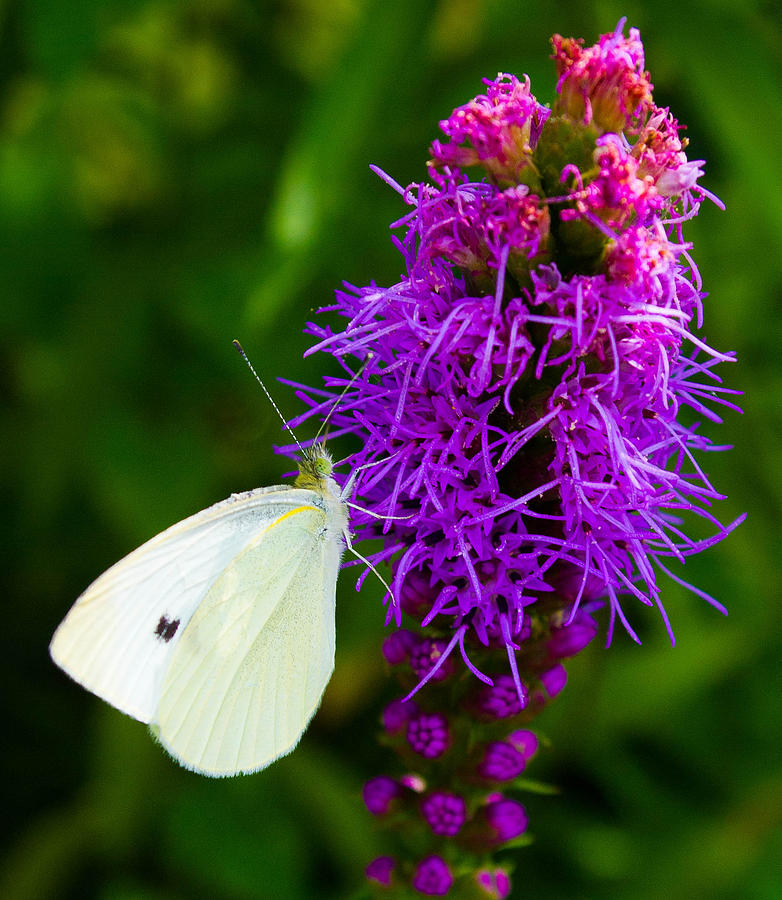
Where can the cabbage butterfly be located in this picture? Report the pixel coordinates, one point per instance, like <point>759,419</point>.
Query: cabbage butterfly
<point>219,632</point>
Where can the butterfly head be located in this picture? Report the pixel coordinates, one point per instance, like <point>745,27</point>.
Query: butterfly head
<point>316,466</point>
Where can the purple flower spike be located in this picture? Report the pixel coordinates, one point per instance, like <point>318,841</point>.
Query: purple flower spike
<point>444,812</point>
<point>526,407</point>
<point>379,793</point>
<point>518,407</point>
<point>507,819</point>
<point>381,870</point>
<point>427,734</point>
<point>494,884</point>
<point>433,877</point>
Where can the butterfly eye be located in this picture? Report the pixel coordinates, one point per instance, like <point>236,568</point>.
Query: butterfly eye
<point>323,466</point>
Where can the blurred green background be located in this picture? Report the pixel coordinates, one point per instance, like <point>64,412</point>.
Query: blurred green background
<point>174,175</point>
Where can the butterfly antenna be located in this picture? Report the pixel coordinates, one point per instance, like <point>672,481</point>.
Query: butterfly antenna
<point>240,349</point>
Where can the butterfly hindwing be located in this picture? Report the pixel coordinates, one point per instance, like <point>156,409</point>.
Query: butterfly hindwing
<point>253,662</point>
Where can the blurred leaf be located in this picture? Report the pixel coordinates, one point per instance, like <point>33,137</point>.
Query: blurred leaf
<point>177,175</point>
<point>59,35</point>
<point>322,159</point>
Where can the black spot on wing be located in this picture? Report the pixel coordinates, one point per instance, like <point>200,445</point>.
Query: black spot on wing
<point>166,628</point>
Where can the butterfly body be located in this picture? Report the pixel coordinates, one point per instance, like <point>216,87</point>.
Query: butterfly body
<point>219,632</point>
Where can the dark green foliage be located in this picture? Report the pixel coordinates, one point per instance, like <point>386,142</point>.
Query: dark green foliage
<point>173,176</point>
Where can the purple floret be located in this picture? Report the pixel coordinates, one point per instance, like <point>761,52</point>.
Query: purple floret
<point>444,812</point>
<point>427,734</point>
<point>432,877</point>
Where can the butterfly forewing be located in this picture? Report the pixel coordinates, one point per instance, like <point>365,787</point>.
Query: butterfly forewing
<point>120,636</point>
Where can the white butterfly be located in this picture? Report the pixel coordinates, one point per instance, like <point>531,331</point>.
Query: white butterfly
<point>219,632</point>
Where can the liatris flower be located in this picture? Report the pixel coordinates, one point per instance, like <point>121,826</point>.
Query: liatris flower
<point>444,812</point>
<point>493,883</point>
<point>381,870</point>
<point>380,793</point>
<point>432,877</point>
<point>525,405</point>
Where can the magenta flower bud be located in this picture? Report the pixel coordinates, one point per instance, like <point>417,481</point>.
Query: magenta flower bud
<point>381,870</point>
<point>554,680</point>
<point>432,877</point>
<point>397,714</point>
<point>413,782</point>
<point>444,812</point>
<point>526,742</point>
<point>661,155</point>
<point>427,734</point>
<point>493,883</point>
<point>571,639</point>
<point>499,127</point>
<point>424,656</point>
<point>507,819</point>
<point>379,793</point>
<point>397,646</point>
<point>605,83</point>
<point>501,762</point>
<point>500,700</point>
<point>415,596</point>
